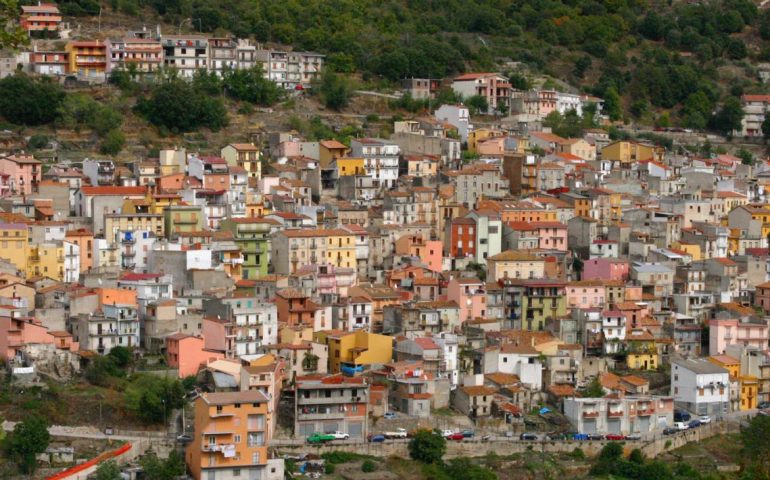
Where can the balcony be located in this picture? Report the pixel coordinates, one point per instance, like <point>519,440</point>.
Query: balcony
<point>591,414</point>
<point>614,414</point>
<point>208,447</point>
<point>645,413</point>
<point>128,240</point>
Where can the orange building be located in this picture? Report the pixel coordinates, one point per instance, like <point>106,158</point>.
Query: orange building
<point>87,58</point>
<point>294,308</point>
<point>84,239</point>
<point>187,353</point>
<point>231,437</point>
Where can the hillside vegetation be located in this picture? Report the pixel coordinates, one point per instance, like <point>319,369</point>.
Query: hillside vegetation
<point>648,56</point>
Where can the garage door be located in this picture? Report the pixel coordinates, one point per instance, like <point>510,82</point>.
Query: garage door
<point>590,426</point>
<point>662,423</point>
<point>613,426</point>
<point>356,430</point>
<point>644,424</point>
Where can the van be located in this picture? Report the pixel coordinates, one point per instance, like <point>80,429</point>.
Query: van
<point>681,426</point>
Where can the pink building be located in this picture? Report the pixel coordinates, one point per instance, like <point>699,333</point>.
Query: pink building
<point>24,172</point>
<point>187,353</point>
<point>731,331</point>
<point>551,235</point>
<point>470,295</point>
<point>17,332</point>
<point>430,252</point>
<point>605,269</point>
<point>586,294</point>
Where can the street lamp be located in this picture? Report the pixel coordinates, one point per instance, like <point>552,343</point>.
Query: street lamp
<point>165,422</point>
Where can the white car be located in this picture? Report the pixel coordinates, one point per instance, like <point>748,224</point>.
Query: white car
<point>681,426</point>
<point>705,419</point>
<point>339,435</point>
<point>446,433</point>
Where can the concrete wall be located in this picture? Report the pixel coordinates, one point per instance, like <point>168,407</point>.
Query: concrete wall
<point>651,447</point>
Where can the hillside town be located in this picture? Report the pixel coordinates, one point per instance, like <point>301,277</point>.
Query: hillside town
<point>474,273</point>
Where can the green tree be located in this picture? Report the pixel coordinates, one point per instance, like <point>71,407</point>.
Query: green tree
<point>27,101</point>
<point>334,90</point>
<point>11,34</point>
<point>755,439</point>
<point>594,389</point>
<point>113,143</point>
<point>101,371</point>
<point>108,470</point>
<point>747,158</point>
<point>121,355</point>
<point>158,469</point>
<point>250,85</point>
<point>464,469</point>
<point>612,104</point>
<point>81,110</point>
<point>151,398</point>
<point>728,119</point>
<point>368,466</point>
<point>179,107</point>
<point>427,447</point>
<point>29,438</point>
<point>477,104</point>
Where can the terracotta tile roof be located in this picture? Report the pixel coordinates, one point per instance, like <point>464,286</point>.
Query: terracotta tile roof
<point>476,390</point>
<point>111,190</point>
<point>561,390</point>
<point>634,380</point>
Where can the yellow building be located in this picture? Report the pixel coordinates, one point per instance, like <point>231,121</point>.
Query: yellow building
<point>245,155</point>
<point>350,352</point>
<point>87,58</point>
<point>350,166</point>
<point>47,260</point>
<point>692,249</point>
<point>14,244</point>
<point>292,249</point>
<point>642,352</point>
<point>231,436</point>
<point>514,264</point>
<point>182,218</point>
<point>627,152</point>
<point>748,386</point>
<point>329,150</point>
<point>132,222</point>
<point>480,134</point>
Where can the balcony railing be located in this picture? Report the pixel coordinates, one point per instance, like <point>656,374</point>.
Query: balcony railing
<point>590,414</point>
<point>614,414</point>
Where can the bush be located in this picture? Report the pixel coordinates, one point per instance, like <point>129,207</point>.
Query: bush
<point>113,143</point>
<point>25,101</point>
<point>37,141</point>
<point>29,438</point>
<point>427,447</point>
<point>251,86</point>
<point>578,454</point>
<point>179,107</point>
<point>334,90</point>
<point>368,466</point>
<point>329,468</point>
<point>151,398</point>
<point>340,457</point>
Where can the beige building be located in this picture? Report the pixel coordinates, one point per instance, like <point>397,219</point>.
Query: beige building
<point>515,264</point>
<point>114,223</point>
<point>293,249</point>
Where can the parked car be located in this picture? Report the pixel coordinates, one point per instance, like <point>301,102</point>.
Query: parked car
<point>704,419</point>
<point>681,416</point>
<point>670,431</point>
<point>389,416</point>
<point>763,405</point>
<point>579,436</point>
<point>557,436</point>
<point>339,435</point>
<point>694,423</point>
<point>468,433</point>
<point>528,436</point>
<point>681,426</point>
<point>320,438</point>
<point>446,433</point>
<point>397,433</point>
<point>457,436</point>
<point>184,438</point>
<point>509,434</point>
<point>634,436</point>
<point>376,438</point>
<point>595,436</point>
<point>614,436</point>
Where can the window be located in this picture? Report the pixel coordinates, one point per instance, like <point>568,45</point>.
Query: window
<point>236,472</point>
<point>236,439</point>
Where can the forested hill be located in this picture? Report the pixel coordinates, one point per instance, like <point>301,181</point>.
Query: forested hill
<point>656,54</point>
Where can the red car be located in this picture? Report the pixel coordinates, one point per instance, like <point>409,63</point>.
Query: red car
<point>458,436</point>
<point>614,436</point>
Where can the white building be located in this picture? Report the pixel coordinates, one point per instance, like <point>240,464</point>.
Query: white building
<point>627,415</point>
<point>603,249</point>
<point>185,54</point>
<point>71,262</point>
<point>150,287</point>
<point>755,107</point>
<point>700,386</point>
<point>457,116</point>
<point>380,159</point>
<point>614,331</point>
<point>522,360</point>
<point>569,101</point>
<point>448,353</point>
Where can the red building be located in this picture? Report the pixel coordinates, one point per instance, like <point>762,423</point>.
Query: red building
<point>462,238</point>
<point>40,18</point>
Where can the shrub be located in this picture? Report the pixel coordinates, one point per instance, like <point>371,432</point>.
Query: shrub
<point>329,468</point>
<point>368,466</point>
<point>427,447</point>
<point>578,454</point>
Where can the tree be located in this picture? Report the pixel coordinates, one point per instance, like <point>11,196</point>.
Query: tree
<point>250,85</point>
<point>334,90</point>
<point>108,470</point>
<point>310,362</point>
<point>180,107</point>
<point>157,469</point>
<point>755,439</point>
<point>594,389</point>
<point>101,370</point>
<point>728,119</point>
<point>427,447</point>
<point>11,34</point>
<point>477,104</point>
<point>152,398</point>
<point>29,438</point>
<point>121,355</point>
<point>113,143</point>
<point>81,110</point>
<point>612,104</point>
<point>747,158</point>
<point>26,101</point>
<point>464,469</point>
